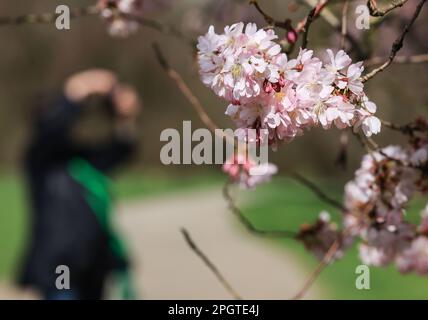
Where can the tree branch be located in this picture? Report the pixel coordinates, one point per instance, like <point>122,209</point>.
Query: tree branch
<point>269,19</point>
<point>421,58</point>
<point>375,12</point>
<point>316,190</point>
<point>308,23</point>
<point>35,18</point>
<point>419,125</point>
<point>162,28</point>
<point>317,9</point>
<point>397,45</point>
<point>209,264</point>
<point>185,90</point>
<point>46,18</point>
<point>344,29</point>
<point>321,266</point>
<point>247,223</point>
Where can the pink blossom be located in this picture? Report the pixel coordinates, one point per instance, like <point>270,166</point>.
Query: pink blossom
<point>373,256</point>
<point>337,62</point>
<point>236,63</point>
<point>247,173</point>
<point>375,208</point>
<point>415,258</point>
<point>420,155</point>
<point>352,79</point>
<point>266,90</point>
<point>117,12</point>
<point>423,227</point>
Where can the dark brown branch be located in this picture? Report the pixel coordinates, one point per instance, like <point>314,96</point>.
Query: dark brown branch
<point>344,28</point>
<point>47,17</point>
<point>209,264</point>
<point>363,142</point>
<point>269,19</point>
<point>397,45</point>
<point>307,26</point>
<point>329,17</point>
<point>376,12</point>
<point>247,223</point>
<point>162,28</point>
<point>301,26</point>
<point>421,58</point>
<point>419,125</point>
<point>320,7</point>
<point>185,90</point>
<point>316,190</point>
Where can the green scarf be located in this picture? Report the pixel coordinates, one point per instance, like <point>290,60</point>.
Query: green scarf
<point>97,195</point>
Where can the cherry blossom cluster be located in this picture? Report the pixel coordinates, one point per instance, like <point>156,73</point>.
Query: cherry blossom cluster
<point>375,203</point>
<point>375,211</point>
<point>117,13</point>
<point>245,66</point>
<point>247,173</point>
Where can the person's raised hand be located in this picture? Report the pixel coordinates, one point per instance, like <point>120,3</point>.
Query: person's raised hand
<point>126,101</point>
<point>91,82</point>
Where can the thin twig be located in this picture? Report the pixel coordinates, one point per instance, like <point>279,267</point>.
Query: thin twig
<point>210,265</point>
<point>376,12</point>
<point>419,125</point>
<point>344,30</point>
<point>308,23</point>
<point>162,28</point>
<point>35,18</point>
<point>185,90</point>
<point>326,13</point>
<point>397,45</point>
<point>269,19</point>
<point>322,11</point>
<point>320,267</point>
<point>363,142</point>
<point>331,19</point>
<point>247,223</point>
<point>316,190</point>
<point>398,59</point>
<point>321,4</point>
<point>48,17</point>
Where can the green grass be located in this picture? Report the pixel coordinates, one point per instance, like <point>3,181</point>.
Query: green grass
<point>285,204</point>
<point>12,222</point>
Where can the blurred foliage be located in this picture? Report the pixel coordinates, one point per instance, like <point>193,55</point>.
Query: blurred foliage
<point>36,58</point>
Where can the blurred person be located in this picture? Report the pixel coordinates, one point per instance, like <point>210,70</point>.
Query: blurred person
<point>69,189</point>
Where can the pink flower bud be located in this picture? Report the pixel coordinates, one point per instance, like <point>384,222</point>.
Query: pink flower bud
<point>291,36</point>
<point>281,81</point>
<point>267,87</point>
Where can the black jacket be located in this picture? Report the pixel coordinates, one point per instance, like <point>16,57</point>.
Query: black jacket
<point>64,230</point>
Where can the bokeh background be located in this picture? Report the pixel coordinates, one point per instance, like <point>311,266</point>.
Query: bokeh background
<point>36,58</point>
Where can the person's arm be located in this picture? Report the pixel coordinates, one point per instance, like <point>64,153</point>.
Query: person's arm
<point>118,150</point>
<point>124,142</point>
<point>51,136</point>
